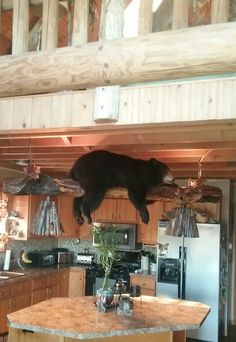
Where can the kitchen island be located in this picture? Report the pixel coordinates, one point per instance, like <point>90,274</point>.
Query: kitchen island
<point>73,319</point>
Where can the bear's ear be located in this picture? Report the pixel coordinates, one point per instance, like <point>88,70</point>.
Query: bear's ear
<point>153,161</point>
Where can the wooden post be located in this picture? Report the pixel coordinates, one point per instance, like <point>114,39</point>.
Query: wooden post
<point>219,11</point>
<point>50,24</point>
<point>106,106</point>
<point>20,29</point>
<point>145,17</point>
<point>180,14</point>
<point>80,22</point>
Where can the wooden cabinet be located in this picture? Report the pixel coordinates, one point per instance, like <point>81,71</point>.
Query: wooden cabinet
<point>13,298</point>
<point>147,283</point>
<point>77,282</point>
<point>86,231</point>
<point>147,233</point>
<point>116,210</point>
<point>4,307</point>
<point>45,287</point>
<point>68,221</point>
<point>20,295</point>
<point>64,283</point>
<point>24,207</point>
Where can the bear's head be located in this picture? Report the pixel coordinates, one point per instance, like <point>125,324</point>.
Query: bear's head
<point>162,171</point>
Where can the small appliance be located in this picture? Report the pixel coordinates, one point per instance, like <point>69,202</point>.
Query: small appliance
<point>64,256</point>
<point>42,258</point>
<point>84,258</point>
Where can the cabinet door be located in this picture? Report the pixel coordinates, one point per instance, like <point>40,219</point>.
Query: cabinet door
<point>4,310</point>
<point>64,284</point>
<point>17,223</point>
<point>147,233</point>
<point>125,211</point>
<point>77,282</point>
<point>39,296</point>
<point>68,221</point>
<point>86,231</point>
<point>20,302</point>
<point>148,284</point>
<point>4,307</point>
<point>53,291</point>
<point>106,212</point>
<point>20,295</point>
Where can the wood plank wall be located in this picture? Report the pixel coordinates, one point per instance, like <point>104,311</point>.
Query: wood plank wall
<point>168,102</point>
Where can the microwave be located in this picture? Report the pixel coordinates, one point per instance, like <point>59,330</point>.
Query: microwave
<point>125,234</point>
<point>43,258</point>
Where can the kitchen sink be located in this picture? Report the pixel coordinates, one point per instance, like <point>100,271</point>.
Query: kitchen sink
<point>10,274</point>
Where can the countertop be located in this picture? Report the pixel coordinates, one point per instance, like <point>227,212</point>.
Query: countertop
<point>79,318</point>
<point>144,274</point>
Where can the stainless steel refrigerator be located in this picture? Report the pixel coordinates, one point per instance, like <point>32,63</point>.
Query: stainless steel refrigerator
<point>192,269</point>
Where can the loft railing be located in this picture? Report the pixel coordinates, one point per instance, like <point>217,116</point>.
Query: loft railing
<point>30,25</point>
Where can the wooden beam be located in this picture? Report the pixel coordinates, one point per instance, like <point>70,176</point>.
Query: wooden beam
<point>180,14</point>
<point>219,11</point>
<point>50,24</point>
<point>20,31</point>
<point>80,22</point>
<point>142,59</point>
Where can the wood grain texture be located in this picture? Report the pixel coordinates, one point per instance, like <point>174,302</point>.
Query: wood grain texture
<point>190,52</point>
<point>20,31</point>
<point>180,14</point>
<point>80,22</point>
<point>50,24</point>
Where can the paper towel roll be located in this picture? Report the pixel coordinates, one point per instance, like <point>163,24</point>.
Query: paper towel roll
<point>7,260</point>
<point>145,263</point>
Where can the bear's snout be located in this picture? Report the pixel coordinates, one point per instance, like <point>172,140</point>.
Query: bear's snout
<point>168,178</point>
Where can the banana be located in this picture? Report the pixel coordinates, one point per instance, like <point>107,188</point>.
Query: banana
<point>25,258</point>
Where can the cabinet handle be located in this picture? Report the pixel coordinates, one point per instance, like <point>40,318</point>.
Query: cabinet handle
<point>1,293</point>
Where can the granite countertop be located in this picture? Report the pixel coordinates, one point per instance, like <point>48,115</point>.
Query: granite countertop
<point>79,318</point>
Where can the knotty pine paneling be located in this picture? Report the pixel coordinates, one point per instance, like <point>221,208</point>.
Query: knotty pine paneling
<point>140,104</point>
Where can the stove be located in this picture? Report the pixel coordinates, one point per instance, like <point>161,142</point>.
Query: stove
<point>129,262</point>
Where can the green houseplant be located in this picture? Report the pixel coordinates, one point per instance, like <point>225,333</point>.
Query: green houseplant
<point>106,257</point>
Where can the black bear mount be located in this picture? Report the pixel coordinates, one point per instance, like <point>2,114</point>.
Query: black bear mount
<point>101,170</point>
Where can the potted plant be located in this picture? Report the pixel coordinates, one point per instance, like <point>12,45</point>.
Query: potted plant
<point>106,257</point>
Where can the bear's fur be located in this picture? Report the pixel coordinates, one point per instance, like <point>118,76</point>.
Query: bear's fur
<point>100,170</point>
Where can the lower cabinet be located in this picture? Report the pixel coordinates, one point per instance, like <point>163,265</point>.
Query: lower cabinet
<point>147,283</point>
<point>77,282</point>
<point>12,298</point>
<point>64,283</point>
<point>45,287</point>
<point>23,293</point>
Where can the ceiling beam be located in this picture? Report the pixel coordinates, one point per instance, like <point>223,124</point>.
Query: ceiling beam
<point>125,61</point>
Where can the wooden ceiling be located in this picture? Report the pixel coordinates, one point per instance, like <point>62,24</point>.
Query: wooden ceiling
<point>180,146</point>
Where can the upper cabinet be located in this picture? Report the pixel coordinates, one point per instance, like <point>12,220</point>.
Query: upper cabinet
<point>116,210</point>
<point>22,210</point>
<point>147,233</point>
<point>65,210</point>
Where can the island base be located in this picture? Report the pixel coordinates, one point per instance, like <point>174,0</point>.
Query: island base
<point>19,335</point>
